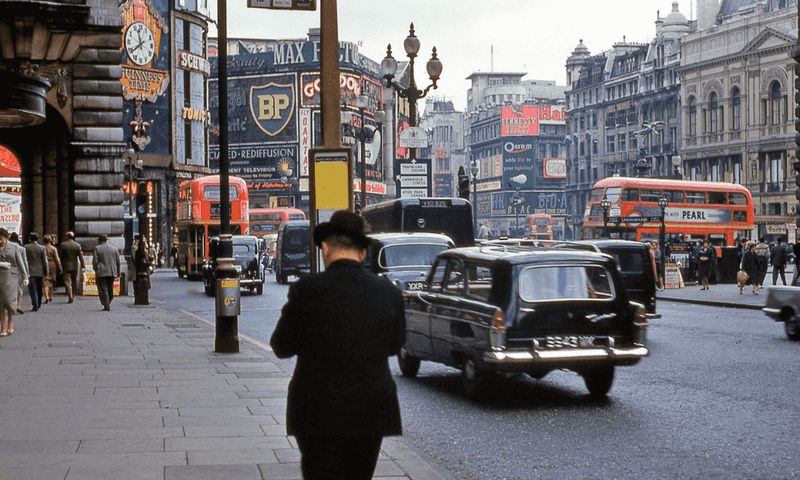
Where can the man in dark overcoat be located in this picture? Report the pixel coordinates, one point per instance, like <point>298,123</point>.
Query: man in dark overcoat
<point>343,324</point>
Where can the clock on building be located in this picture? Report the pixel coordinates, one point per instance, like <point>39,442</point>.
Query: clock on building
<point>140,43</point>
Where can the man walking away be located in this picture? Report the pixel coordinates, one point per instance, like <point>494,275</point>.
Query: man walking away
<point>778,259</point>
<point>72,264</point>
<point>37,269</point>
<point>343,324</point>
<point>762,250</point>
<point>106,269</point>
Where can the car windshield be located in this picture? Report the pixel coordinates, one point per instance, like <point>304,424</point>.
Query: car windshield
<point>564,282</point>
<point>409,255</point>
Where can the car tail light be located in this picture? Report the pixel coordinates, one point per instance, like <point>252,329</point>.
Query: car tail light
<point>498,331</point>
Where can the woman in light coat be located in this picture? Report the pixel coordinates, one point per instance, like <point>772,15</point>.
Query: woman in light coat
<point>12,273</point>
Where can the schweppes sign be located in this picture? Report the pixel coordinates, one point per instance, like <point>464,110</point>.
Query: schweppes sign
<point>272,106</point>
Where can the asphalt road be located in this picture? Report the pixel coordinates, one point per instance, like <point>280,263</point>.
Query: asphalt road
<point>717,398</point>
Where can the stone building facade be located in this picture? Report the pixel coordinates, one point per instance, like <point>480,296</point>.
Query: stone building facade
<point>445,128</point>
<point>61,114</point>
<point>737,86</point>
<point>610,97</point>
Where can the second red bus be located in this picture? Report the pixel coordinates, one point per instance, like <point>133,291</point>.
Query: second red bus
<point>264,221</point>
<point>199,218</point>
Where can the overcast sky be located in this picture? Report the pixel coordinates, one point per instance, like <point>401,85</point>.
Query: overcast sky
<point>533,36</point>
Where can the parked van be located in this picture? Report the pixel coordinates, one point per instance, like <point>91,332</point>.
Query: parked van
<point>293,250</point>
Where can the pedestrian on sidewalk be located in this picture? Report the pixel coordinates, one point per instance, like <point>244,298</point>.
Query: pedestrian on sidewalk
<point>37,269</point>
<point>53,268</point>
<point>12,272</point>
<point>762,250</point>
<point>23,282</point>
<point>658,255</point>
<point>106,266</point>
<point>778,259</point>
<point>72,264</point>
<point>343,324</point>
<point>750,267</point>
<point>706,257</point>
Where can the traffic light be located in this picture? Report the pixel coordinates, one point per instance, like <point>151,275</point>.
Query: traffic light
<point>463,184</point>
<point>142,206</point>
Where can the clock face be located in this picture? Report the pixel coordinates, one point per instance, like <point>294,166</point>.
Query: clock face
<point>140,43</point>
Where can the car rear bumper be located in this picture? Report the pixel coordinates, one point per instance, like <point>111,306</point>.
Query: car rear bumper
<point>522,359</point>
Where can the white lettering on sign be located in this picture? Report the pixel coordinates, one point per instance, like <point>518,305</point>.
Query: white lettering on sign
<point>413,192</point>
<point>413,169</point>
<point>413,181</point>
<point>196,63</point>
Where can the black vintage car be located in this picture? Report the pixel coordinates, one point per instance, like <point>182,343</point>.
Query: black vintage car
<point>405,258</point>
<point>247,260</point>
<point>499,309</point>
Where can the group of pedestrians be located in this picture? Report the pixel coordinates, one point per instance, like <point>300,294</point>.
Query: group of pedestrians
<point>759,256</point>
<point>35,266</point>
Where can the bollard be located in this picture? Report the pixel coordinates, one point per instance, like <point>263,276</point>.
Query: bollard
<point>228,297</point>
<point>141,285</point>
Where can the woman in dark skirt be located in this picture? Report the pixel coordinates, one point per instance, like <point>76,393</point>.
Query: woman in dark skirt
<point>704,261</point>
<point>750,267</point>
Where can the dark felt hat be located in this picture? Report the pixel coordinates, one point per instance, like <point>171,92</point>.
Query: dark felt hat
<point>345,223</point>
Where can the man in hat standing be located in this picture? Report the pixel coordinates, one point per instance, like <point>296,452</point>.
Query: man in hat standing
<point>343,324</point>
<point>72,265</point>
<point>37,269</point>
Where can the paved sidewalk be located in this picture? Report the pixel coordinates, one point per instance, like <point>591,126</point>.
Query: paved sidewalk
<point>138,393</point>
<point>722,295</point>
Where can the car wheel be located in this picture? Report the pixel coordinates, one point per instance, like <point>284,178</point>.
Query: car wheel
<point>409,364</point>
<point>260,289</point>
<point>598,380</point>
<point>791,326</point>
<point>473,380</point>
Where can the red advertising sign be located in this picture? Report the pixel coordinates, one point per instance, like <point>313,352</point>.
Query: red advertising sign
<point>520,121</point>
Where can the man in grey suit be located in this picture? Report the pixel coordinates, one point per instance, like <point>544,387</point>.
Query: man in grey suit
<point>37,269</point>
<point>106,270</point>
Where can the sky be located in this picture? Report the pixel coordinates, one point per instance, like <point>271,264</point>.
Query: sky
<point>532,36</point>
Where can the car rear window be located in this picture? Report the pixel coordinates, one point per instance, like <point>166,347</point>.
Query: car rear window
<point>565,282</point>
<point>409,255</point>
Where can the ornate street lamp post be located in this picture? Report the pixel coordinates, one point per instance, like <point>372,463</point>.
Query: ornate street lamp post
<point>662,202</point>
<point>412,93</point>
<point>606,207</point>
<point>473,169</point>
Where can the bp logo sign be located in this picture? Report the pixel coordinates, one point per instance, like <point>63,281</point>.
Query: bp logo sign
<point>272,106</point>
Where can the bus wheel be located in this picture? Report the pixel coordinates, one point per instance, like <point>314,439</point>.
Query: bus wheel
<point>181,273</point>
<point>280,277</point>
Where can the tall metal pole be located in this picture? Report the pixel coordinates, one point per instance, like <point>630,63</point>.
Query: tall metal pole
<point>227,288</point>
<point>363,161</point>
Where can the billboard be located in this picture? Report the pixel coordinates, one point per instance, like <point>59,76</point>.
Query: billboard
<point>518,163</point>
<point>520,121</point>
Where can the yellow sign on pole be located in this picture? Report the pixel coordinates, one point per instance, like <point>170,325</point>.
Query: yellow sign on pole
<point>332,186</point>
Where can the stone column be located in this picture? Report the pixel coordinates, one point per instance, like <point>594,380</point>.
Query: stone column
<point>98,143</point>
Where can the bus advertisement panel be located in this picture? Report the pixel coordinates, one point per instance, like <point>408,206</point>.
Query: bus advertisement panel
<point>718,212</point>
<point>264,221</point>
<point>199,219</point>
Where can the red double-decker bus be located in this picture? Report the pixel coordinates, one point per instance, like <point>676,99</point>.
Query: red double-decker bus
<point>199,219</point>
<point>718,212</point>
<point>264,221</point>
<point>541,226</point>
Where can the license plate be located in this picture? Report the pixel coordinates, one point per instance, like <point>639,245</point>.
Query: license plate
<point>305,270</point>
<point>415,285</point>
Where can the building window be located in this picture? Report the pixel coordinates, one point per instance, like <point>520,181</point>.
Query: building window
<point>775,103</point>
<point>610,144</point>
<point>692,117</point>
<point>736,109</point>
<point>775,172</point>
<point>713,119</point>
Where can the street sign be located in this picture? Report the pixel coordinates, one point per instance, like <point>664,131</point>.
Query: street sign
<point>308,5</point>
<point>413,137</point>
<point>414,177</point>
